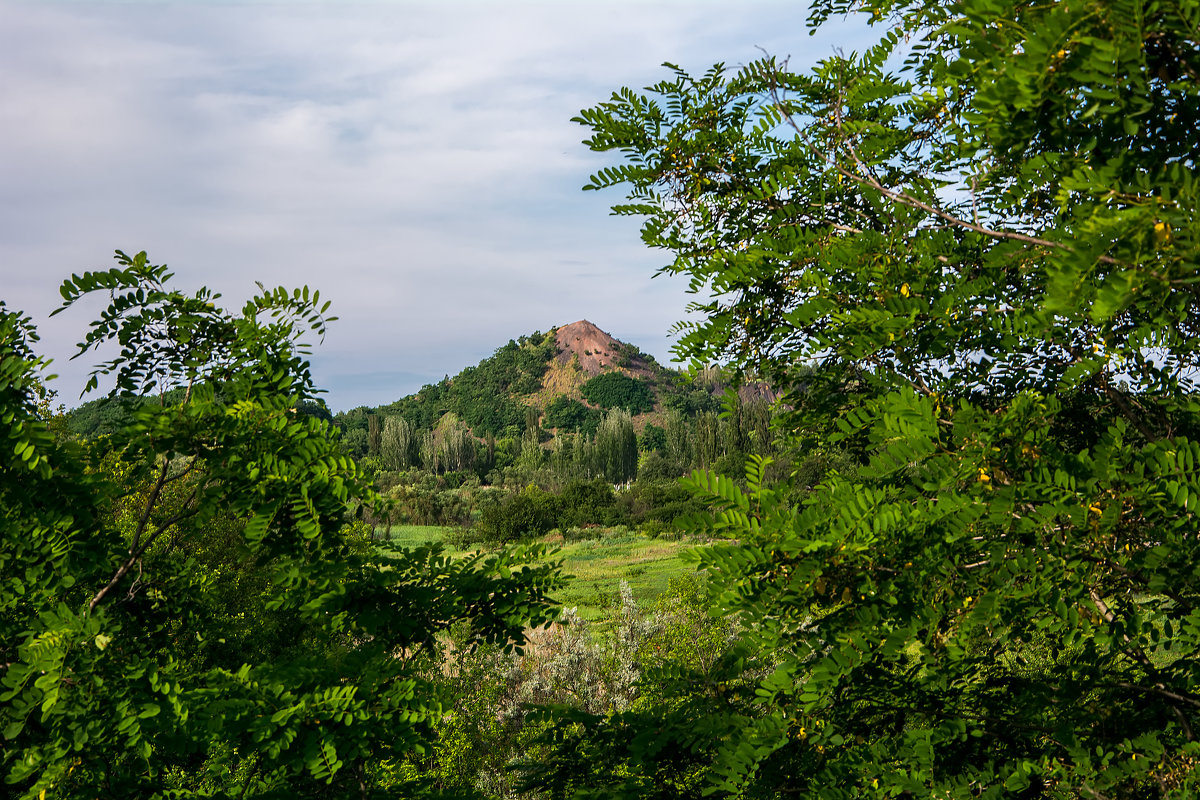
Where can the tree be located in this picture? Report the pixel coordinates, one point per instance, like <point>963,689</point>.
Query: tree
<point>449,446</point>
<point>653,438</point>
<point>520,515</point>
<point>706,432</point>
<point>679,449</point>
<point>616,447</point>
<point>397,443</point>
<point>116,679</point>
<point>981,269</point>
<point>374,434</point>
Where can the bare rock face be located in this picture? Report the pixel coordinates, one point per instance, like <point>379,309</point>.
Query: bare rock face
<point>596,350</point>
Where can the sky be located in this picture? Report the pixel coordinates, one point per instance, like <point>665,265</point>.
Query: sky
<point>414,161</point>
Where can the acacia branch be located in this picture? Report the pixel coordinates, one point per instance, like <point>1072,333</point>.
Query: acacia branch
<point>137,549</point>
<point>867,178</point>
<point>1121,402</point>
<point>151,500</point>
<point>1138,578</point>
<point>1159,689</point>
<point>1143,659</point>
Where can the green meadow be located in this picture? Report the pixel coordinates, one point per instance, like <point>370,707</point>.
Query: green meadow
<point>594,567</point>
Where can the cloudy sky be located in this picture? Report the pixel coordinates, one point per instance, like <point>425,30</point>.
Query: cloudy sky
<point>415,161</point>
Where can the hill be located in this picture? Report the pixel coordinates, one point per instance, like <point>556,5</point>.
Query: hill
<point>501,396</point>
<point>594,351</point>
<point>547,391</point>
<point>562,379</point>
<point>596,371</point>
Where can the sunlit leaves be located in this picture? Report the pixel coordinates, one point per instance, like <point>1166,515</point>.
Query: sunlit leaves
<point>970,270</point>
<point>186,607</point>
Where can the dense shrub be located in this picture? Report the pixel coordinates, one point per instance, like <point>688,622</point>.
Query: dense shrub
<point>523,515</point>
<point>618,390</point>
<point>662,501</point>
<point>622,662</point>
<point>587,502</point>
<point>565,413</point>
<point>653,438</point>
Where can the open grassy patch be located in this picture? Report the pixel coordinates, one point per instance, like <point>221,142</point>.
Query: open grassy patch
<point>415,535</point>
<point>595,567</point>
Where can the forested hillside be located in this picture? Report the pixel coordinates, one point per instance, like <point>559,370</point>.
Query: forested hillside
<point>514,389</point>
<point>555,403</point>
<point>518,444</point>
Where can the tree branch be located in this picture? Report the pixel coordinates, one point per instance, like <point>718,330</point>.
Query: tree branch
<point>867,178</point>
<point>1143,659</point>
<point>136,552</point>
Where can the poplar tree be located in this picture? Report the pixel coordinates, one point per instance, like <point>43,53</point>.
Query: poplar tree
<point>679,441</point>
<point>706,429</point>
<point>616,450</point>
<point>374,434</point>
<point>396,443</point>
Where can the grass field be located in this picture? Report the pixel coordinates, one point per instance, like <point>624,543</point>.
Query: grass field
<point>595,567</point>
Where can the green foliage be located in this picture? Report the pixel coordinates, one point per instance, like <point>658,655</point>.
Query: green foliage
<point>568,414</point>
<point>616,453</point>
<point>398,446</point>
<point>484,728</point>
<point>520,515</point>
<point>618,390</point>
<point>990,259</point>
<point>107,415</point>
<point>449,447</point>
<point>653,438</point>
<point>688,400</point>
<point>129,669</point>
<point>587,502</point>
<point>689,635</point>
<point>593,666</point>
<point>420,498</point>
<point>651,745</point>
<point>656,500</point>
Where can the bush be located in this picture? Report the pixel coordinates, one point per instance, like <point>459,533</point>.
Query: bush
<point>653,439</point>
<point>657,529</point>
<point>586,502</point>
<point>618,390</point>
<point>524,515</point>
<point>583,533</point>
<point>659,500</point>
<point>464,537</point>
<point>565,413</point>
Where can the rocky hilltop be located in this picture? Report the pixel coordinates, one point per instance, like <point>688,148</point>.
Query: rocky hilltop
<point>585,351</point>
<point>596,351</point>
